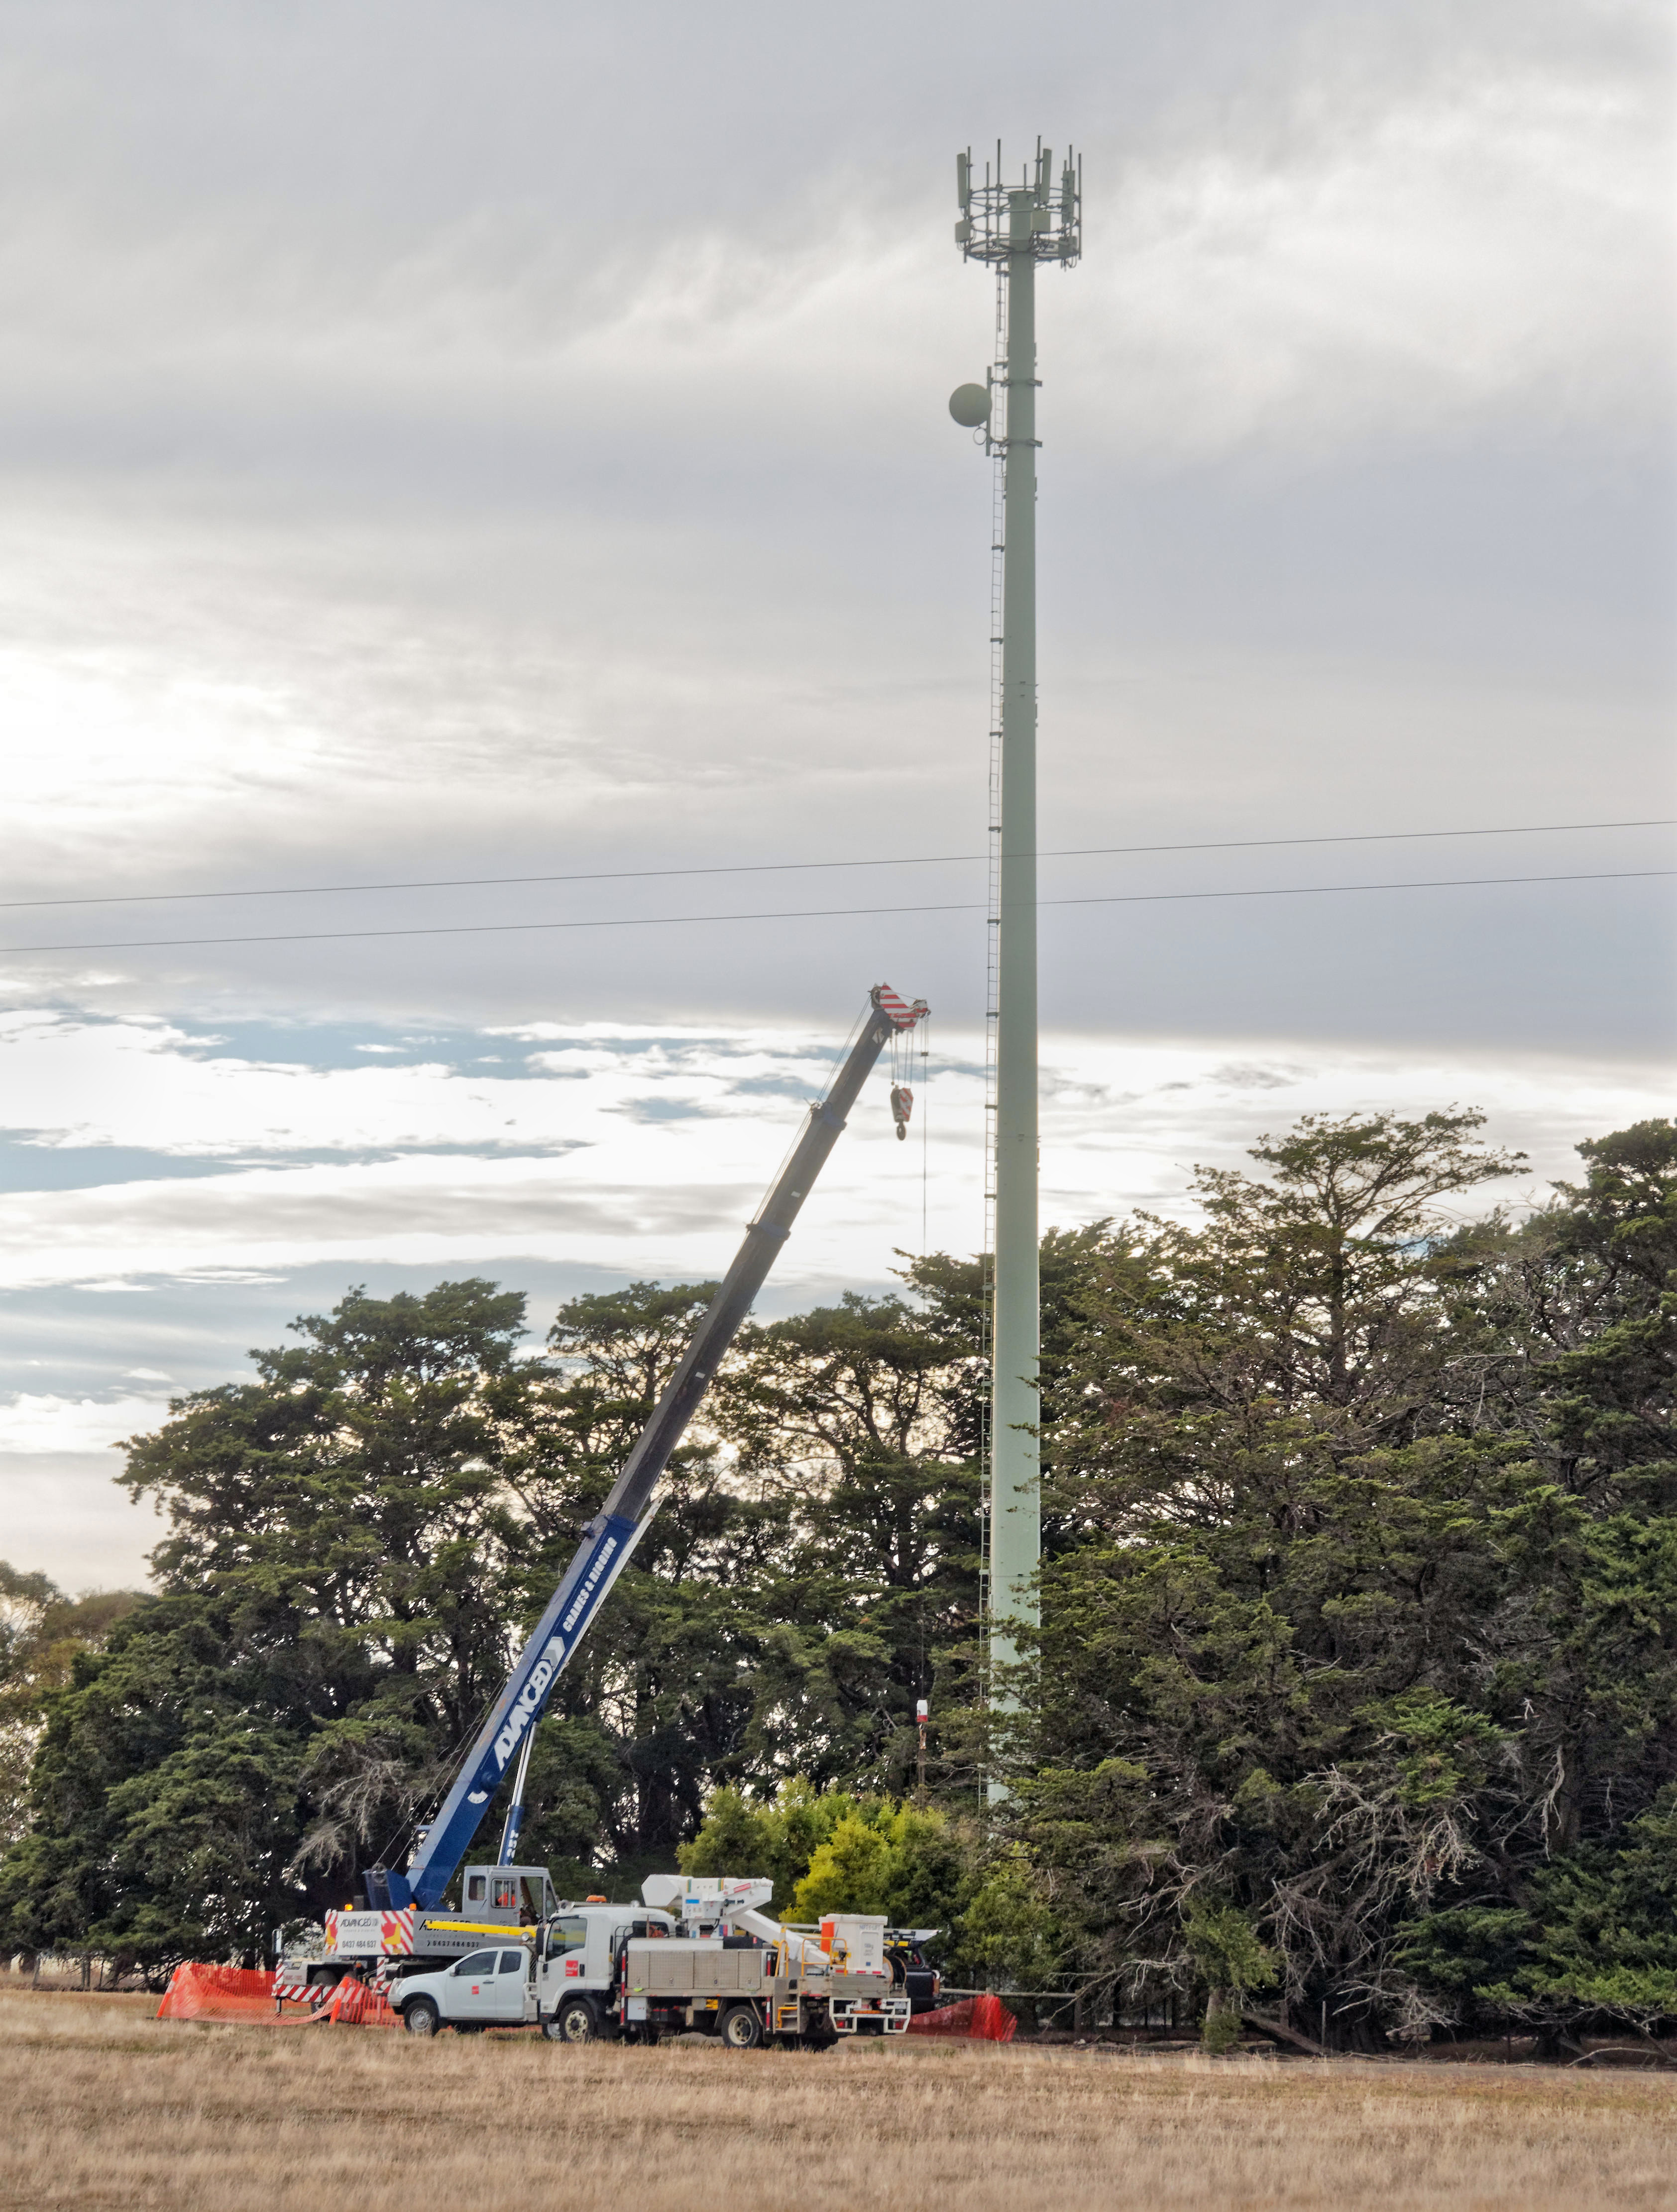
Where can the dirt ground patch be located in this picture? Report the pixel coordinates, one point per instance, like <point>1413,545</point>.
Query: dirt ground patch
<point>106,2107</point>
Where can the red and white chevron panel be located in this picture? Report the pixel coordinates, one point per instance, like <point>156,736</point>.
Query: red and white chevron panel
<point>396,1932</point>
<point>902,1015</point>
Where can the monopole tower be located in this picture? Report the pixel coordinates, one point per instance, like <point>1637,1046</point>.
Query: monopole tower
<point>1013,227</point>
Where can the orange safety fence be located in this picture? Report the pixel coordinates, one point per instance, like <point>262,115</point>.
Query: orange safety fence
<point>201,1992</point>
<point>197,1992</point>
<point>353,2004</point>
<point>976,2020</point>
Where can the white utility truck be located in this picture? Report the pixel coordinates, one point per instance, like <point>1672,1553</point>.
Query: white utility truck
<point>738,1974</point>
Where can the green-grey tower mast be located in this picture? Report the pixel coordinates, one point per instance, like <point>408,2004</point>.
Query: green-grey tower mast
<point>1013,227</point>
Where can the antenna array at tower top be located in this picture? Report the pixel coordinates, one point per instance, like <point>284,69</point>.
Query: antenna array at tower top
<point>999,220</point>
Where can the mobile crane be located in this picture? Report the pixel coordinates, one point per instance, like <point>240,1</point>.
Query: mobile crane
<point>405,1926</point>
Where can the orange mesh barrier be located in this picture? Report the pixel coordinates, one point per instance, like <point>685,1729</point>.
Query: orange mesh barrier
<point>977,2019</point>
<point>199,1992</point>
<point>353,2004</point>
<point>237,1993</point>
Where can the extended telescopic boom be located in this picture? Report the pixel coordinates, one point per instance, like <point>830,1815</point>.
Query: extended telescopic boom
<point>612,1535</point>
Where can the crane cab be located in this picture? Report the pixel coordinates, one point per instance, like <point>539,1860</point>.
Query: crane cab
<point>506,1897</point>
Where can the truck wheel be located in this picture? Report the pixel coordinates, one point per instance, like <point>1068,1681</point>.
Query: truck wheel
<point>575,2022</point>
<point>419,2016</point>
<point>741,2029</point>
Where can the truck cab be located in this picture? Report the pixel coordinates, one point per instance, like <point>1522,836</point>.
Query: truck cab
<point>507,1896</point>
<point>579,1963</point>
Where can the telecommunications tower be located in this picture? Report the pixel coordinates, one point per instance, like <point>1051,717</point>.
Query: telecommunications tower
<point>1013,227</point>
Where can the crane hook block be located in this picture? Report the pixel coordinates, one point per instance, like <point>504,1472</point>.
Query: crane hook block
<point>902,1105</point>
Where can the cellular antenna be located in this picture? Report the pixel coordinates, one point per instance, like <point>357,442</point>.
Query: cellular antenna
<point>1013,227</point>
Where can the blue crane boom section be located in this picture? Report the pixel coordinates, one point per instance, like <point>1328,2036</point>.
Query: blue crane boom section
<point>610,1538</point>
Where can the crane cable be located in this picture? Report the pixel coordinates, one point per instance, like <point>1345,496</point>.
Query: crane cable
<point>904,1052</point>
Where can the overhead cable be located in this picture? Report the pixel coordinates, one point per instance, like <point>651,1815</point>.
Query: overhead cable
<point>818,913</point>
<point>787,867</point>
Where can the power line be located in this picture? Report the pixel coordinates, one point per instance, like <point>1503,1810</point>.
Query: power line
<point>821,914</point>
<point>784,867</point>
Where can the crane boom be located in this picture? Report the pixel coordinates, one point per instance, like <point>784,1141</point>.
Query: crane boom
<point>610,1538</point>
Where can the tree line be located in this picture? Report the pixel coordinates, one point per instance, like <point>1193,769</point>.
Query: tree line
<point>1356,1683</point>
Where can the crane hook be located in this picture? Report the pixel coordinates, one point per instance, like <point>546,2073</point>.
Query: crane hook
<point>902,1105</point>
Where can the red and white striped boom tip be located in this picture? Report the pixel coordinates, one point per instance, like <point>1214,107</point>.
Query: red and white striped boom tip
<point>903,1016</point>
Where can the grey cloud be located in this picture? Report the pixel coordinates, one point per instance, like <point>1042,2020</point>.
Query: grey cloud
<point>457,440</point>
<point>368,1211</point>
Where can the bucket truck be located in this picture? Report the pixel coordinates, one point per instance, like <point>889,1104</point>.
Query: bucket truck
<point>739,1974</point>
<point>405,1926</point>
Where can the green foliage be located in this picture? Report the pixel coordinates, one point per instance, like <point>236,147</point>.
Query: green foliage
<point>347,1537</point>
<point>888,1858</point>
<point>1224,1946</point>
<point>854,1419</point>
<point>1598,1933</point>
<point>1009,1936</point>
<point>829,1851</point>
<point>850,1872</point>
<point>1229,1961</point>
<point>771,1842</point>
<point>41,1631</point>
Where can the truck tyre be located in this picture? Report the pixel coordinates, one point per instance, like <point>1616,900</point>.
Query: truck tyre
<point>419,2016</point>
<point>741,2030</point>
<point>575,2022</point>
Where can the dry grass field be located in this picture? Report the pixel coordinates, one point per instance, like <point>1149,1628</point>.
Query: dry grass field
<point>106,2107</point>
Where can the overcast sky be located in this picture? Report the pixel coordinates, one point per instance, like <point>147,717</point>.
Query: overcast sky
<point>448,441</point>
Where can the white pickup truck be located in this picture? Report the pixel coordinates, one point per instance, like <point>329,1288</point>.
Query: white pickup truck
<point>563,1978</point>
<point>491,1988</point>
